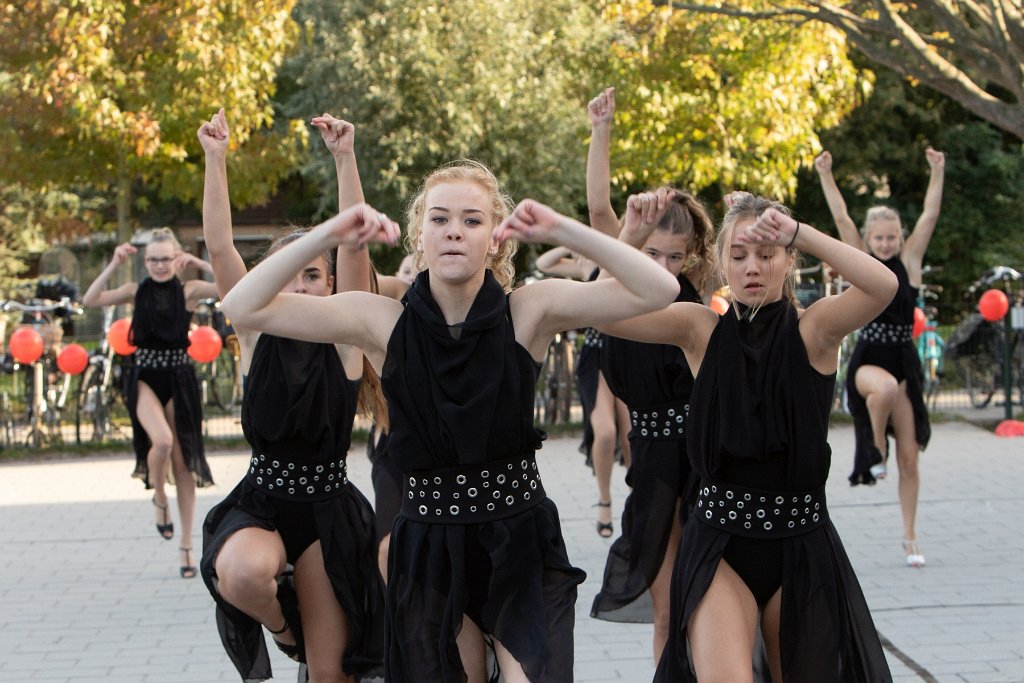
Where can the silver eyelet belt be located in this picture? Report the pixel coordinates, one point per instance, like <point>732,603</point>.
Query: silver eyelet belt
<point>593,338</point>
<point>472,494</point>
<point>661,423</point>
<point>160,359</point>
<point>297,481</point>
<point>887,334</point>
<point>760,514</point>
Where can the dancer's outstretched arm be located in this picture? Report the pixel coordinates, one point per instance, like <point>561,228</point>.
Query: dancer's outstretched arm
<point>601,111</point>
<point>227,264</point>
<point>836,205</point>
<point>917,243</point>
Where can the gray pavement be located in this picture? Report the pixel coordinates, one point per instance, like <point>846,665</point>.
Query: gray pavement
<point>89,592</point>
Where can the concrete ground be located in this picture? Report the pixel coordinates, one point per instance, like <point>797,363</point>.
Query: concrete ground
<point>89,592</point>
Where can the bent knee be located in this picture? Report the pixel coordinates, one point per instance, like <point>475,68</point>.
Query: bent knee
<point>241,577</point>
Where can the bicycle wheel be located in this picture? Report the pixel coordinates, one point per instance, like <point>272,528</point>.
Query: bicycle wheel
<point>980,374</point>
<point>92,408</point>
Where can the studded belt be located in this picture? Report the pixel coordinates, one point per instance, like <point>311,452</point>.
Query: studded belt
<point>160,359</point>
<point>760,514</point>
<point>472,494</point>
<point>297,481</point>
<point>664,423</point>
<point>887,334</point>
<point>593,338</point>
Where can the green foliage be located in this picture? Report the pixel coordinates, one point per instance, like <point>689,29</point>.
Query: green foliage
<point>105,90</point>
<point>716,100</point>
<point>31,218</point>
<point>428,82</point>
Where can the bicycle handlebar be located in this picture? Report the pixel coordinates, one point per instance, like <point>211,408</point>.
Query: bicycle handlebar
<point>49,306</point>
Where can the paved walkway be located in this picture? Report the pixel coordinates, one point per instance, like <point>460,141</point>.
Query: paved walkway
<point>88,592</point>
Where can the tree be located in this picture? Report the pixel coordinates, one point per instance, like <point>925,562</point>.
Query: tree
<point>109,93</point>
<point>971,52</point>
<point>427,82</point>
<point>707,99</point>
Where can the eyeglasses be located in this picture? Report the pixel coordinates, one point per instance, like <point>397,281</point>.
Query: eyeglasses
<point>159,260</point>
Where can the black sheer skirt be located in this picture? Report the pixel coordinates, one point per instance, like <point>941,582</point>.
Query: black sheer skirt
<point>344,525</point>
<point>188,423</point>
<point>902,362</point>
<point>588,370</point>
<point>387,484</point>
<point>658,477</point>
<point>508,576</point>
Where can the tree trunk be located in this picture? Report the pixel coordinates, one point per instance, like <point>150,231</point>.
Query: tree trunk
<point>124,198</point>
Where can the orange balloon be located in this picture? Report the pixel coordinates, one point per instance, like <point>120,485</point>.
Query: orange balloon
<point>117,337</point>
<point>719,304</point>
<point>204,344</point>
<point>993,305</point>
<point>920,321</point>
<point>26,345</point>
<point>73,359</point>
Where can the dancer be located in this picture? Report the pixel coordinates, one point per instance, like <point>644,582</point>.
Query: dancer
<point>295,506</point>
<point>477,553</point>
<point>161,391</point>
<point>757,439</point>
<point>884,377</point>
<point>654,381</point>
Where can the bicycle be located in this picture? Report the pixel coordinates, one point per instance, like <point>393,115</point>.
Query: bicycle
<point>98,390</point>
<point>46,387</point>
<point>930,345</point>
<point>978,348</point>
<point>555,385</point>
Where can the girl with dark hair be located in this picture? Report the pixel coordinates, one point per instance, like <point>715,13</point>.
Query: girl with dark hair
<point>292,547</point>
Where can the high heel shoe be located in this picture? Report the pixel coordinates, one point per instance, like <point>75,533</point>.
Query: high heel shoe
<point>292,622</point>
<point>879,469</point>
<point>188,571</point>
<point>166,530</point>
<point>604,529</point>
<point>914,556</point>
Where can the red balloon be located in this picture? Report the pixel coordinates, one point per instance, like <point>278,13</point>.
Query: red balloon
<point>204,344</point>
<point>993,305</point>
<point>719,304</point>
<point>117,337</point>
<point>26,345</point>
<point>919,322</point>
<point>73,359</point>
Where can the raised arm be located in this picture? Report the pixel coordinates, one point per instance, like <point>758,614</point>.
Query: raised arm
<point>836,205</point>
<point>828,320</point>
<point>225,261</point>
<point>638,284</point>
<point>563,263</point>
<point>352,264</point>
<point>97,295</point>
<point>601,111</point>
<point>917,243</point>
<point>348,318</point>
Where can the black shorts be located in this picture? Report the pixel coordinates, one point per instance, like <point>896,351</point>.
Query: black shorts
<point>889,358</point>
<point>160,381</point>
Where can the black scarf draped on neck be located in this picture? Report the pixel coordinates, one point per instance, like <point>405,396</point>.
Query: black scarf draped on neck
<point>451,387</point>
<point>160,320</point>
<point>754,398</point>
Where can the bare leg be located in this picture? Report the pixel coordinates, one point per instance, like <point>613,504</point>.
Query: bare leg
<point>879,389</point>
<point>660,589</point>
<point>185,486</point>
<point>247,568</point>
<point>161,437</point>
<point>382,556</point>
<point>602,451</point>
<point>723,630</point>
<point>907,457</point>
<point>324,625</point>
<point>473,651</point>
<point>511,669</point>
<point>771,619</point>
